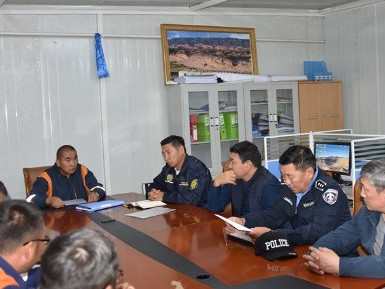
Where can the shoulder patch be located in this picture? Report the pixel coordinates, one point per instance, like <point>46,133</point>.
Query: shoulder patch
<point>330,196</point>
<point>193,184</point>
<point>320,184</point>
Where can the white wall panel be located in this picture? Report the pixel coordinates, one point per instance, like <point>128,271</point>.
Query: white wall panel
<point>51,95</point>
<point>354,53</point>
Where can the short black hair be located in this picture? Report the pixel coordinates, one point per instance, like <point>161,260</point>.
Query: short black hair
<point>3,189</point>
<point>174,140</point>
<point>19,223</point>
<point>247,151</point>
<point>62,149</point>
<point>81,259</point>
<point>300,156</point>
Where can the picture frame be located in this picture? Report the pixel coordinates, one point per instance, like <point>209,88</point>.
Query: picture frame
<point>205,49</point>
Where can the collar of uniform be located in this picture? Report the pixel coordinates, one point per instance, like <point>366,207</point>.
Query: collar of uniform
<point>258,172</point>
<point>183,168</point>
<point>312,181</point>
<point>9,270</point>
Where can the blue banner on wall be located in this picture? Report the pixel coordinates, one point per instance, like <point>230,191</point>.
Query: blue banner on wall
<point>101,65</point>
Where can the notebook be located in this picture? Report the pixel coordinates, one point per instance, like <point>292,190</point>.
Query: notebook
<point>146,204</point>
<point>92,207</point>
<point>150,212</point>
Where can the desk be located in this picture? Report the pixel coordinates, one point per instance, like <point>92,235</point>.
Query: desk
<point>197,235</point>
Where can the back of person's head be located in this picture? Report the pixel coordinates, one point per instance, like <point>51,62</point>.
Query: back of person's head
<point>20,222</point>
<point>3,192</point>
<point>174,140</point>
<point>300,156</point>
<point>81,259</point>
<point>374,172</point>
<point>247,151</point>
<point>63,149</point>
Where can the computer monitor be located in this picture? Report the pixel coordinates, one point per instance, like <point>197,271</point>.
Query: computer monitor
<point>333,157</point>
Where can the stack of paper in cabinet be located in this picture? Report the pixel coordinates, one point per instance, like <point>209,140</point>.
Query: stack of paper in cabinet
<point>146,204</point>
<point>206,78</point>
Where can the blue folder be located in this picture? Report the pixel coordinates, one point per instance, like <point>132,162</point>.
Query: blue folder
<point>92,207</point>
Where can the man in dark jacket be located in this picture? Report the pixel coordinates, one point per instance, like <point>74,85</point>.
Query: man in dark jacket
<point>184,179</point>
<point>65,180</point>
<point>247,185</point>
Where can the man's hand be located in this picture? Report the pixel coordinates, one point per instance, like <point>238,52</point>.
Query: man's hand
<point>93,197</point>
<point>54,202</point>
<point>230,229</point>
<point>155,195</point>
<point>257,231</point>
<point>227,177</point>
<point>322,260</point>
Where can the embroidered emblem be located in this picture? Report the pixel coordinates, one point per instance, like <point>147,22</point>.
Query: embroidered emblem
<point>305,205</point>
<point>288,200</point>
<point>330,196</point>
<point>320,184</point>
<point>193,184</point>
<point>169,178</point>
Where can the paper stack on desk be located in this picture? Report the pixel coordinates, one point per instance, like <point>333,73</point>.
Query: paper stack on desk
<point>146,204</point>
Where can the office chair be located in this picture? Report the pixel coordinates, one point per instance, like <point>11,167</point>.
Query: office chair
<point>30,176</point>
<point>146,189</point>
<point>358,201</point>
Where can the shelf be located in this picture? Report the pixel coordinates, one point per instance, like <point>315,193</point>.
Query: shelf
<point>200,143</point>
<point>259,103</point>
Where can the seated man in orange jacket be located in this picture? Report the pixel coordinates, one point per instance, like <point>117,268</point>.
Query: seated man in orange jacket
<point>65,180</point>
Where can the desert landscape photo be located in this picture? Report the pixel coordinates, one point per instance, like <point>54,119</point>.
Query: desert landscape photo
<point>208,52</point>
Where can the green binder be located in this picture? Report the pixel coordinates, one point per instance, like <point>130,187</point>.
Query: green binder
<point>203,127</point>
<point>231,124</point>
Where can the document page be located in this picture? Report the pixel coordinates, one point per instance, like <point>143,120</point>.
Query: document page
<point>150,213</point>
<point>232,223</point>
<point>74,202</point>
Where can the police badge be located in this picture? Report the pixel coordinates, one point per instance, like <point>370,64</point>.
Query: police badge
<point>169,178</point>
<point>330,196</point>
<point>193,184</point>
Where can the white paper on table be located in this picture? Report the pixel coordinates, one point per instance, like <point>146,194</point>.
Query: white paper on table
<point>234,224</point>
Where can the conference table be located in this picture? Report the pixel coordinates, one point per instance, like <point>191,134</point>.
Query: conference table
<point>188,248</point>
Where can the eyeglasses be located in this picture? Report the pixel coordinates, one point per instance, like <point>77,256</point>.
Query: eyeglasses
<point>44,240</point>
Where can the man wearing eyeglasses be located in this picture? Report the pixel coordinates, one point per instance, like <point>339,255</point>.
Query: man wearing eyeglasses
<point>22,242</point>
<point>81,259</point>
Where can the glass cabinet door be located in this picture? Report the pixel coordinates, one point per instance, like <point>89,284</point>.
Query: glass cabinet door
<point>284,100</point>
<point>200,123</point>
<point>260,116</point>
<point>229,123</point>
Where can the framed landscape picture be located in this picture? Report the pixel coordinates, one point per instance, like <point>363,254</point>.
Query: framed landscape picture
<point>207,49</point>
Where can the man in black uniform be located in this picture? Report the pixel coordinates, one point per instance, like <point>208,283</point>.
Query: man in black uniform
<point>311,203</point>
<point>184,179</point>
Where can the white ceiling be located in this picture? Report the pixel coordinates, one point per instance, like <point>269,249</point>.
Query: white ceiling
<point>192,4</point>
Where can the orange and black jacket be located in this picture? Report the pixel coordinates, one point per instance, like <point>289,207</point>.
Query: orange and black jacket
<point>78,186</point>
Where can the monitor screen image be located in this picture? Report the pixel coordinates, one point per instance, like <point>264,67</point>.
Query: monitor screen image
<point>333,157</point>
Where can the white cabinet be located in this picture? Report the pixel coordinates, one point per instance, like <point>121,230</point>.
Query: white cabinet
<point>270,109</point>
<point>213,117</point>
